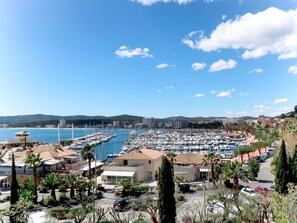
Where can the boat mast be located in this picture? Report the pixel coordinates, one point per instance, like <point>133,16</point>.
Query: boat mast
<point>59,141</point>
<point>72,133</point>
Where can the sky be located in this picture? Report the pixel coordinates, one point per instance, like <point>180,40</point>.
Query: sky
<point>153,58</point>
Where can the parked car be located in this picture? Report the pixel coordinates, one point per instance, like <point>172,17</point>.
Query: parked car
<point>262,190</point>
<point>248,192</point>
<point>121,204</point>
<point>271,187</point>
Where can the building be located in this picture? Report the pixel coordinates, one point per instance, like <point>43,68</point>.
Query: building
<point>138,165</point>
<point>190,166</point>
<point>62,123</point>
<point>149,122</point>
<point>116,124</point>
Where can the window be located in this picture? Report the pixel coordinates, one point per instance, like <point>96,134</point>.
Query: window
<point>125,162</point>
<point>150,161</point>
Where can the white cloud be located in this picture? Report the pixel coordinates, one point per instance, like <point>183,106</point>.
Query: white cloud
<point>125,52</point>
<point>213,92</point>
<point>257,70</point>
<point>285,109</point>
<point>242,94</point>
<point>162,65</point>
<point>151,2</point>
<point>222,65</point>
<point>272,31</point>
<point>224,17</point>
<point>169,87</point>
<point>159,90</point>
<point>280,101</point>
<point>224,94</point>
<point>293,69</point>
<point>261,108</point>
<point>199,95</point>
<point>198,66</point>
<point>181,2</point>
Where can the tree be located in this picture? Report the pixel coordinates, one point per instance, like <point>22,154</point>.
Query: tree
<point>282,170</point>
<point>235,171</point>
<point>53,180</point>
<point>71,180</point>
<point>253,168</point>
<point>211,159</point>
<point>33,161</point>
<point>293,166</point>
<point>19,212</point>
<point>166,200</point>
<point>125,184</point>
<point>14,197</point>
<point>295,108</point>
<point>171,156</point>
<point>87,153</point>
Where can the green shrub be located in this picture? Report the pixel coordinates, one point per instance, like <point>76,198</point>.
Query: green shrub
<point>50,201</point>
<point>62,188</point>
<point>42,188</point>
<point>58,212</point>
<point>63,197</point>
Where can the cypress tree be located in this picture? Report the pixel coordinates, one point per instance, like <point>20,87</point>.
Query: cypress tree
<point>166,200</point>
<point>282,171</point>
<point>14,194</point>
<point>293,166</point>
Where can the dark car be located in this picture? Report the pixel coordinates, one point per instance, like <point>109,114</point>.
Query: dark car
<point>121,204</point>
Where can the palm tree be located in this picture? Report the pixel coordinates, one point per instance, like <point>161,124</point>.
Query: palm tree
<point>125,184</point>
<point>71,180</point>
<point>87,153</point>
<point>235,171</point>
<point>171,156</point>
<point>53,180</point>
<point>211,159</point>
<point>33,161</point>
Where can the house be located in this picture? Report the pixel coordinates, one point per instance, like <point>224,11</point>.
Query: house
<point>138,165</point>
<point>190,166</point>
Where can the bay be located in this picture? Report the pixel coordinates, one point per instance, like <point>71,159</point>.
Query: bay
<point>51,136</point>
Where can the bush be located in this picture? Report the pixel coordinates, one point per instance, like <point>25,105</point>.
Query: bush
<point>63,197</point>
<point>58,212</point>
<point>99,195</point>
<point>42,188</point>
<point>184,188</point>
<point>62,188</point>
<point>50,201</point>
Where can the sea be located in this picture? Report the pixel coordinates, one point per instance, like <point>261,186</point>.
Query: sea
<point>50,135</point>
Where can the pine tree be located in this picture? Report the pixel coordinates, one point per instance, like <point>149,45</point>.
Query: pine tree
<point>166,201</point>
<point>14,197</point>
<point>282,171</point>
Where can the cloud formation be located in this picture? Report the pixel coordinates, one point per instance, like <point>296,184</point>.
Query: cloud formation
<point>242,94</point>
<point>293,69</point>
<point>280,101</point>
<point>198,66</point>
<point>199,95</point>
<point>272,31</point>
<point>257,70</point>
<point>181,2</point>
<point>169,87</point>
<point>222,65</point>
<point>125,52</point>
<point>162,65</point>
<point>261,108</point>
<point>225,93</point>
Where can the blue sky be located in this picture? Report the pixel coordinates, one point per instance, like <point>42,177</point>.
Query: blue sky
<point>148,57</point>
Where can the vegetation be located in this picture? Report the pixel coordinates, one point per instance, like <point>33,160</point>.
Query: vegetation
<point>253,168</point>
<point>166,200</point>
<point>33,161</point>
<point>53,180</point>
<point>87,153</point>
<point>211,159</point>
<point>14,184</point>
<point>282,170</point>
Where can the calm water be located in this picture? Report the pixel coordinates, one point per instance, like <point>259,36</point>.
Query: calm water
<point>51,136</point>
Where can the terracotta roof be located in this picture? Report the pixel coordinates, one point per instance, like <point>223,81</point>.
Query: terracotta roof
<point>142,154</point>
<point>46,152</point>
<point>55,150</point>
<point>189,158</point>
